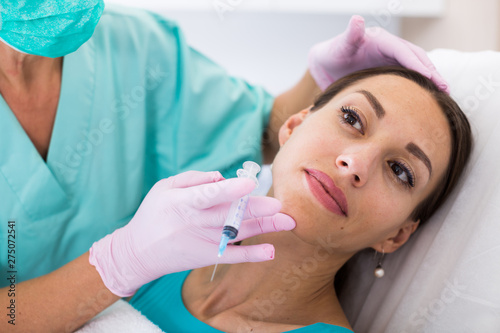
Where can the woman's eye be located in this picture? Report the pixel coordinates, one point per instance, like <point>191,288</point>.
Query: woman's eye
<point>403,174</point>
<point>351,117</point>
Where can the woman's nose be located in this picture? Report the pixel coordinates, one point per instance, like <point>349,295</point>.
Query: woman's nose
<point>354,166</point>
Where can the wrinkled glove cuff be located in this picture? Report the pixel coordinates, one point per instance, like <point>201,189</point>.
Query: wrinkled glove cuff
<point>114,278</point>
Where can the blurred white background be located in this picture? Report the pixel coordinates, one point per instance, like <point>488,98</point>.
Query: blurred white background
<point>267,41</point>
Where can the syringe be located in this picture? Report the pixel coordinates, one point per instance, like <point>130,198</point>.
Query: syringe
<point>237,209</point>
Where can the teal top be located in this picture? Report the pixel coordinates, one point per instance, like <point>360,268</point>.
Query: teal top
<point>136,105</point>
<point>161,302</point>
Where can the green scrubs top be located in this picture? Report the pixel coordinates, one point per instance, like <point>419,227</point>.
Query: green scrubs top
<point>137,105</point>
<point>161,302</point>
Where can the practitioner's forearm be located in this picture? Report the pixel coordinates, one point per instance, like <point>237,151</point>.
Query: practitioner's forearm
<point>60,301</point>
<point>299,97</point>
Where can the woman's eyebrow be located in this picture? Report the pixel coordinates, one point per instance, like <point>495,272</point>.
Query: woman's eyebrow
<point>419,153</point>
<point>379,110</point>
<point>411,147</point>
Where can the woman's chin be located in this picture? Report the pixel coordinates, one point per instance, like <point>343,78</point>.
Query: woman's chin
<point>305,228</point>
<point>312,222</point>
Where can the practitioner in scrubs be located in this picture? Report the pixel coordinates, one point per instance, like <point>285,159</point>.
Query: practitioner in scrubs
<point>97,106</point>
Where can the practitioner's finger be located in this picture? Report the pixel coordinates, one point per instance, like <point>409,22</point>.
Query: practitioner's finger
<point>435,76</point>
<point>192,178</point>
<point>262,225</point>
<point>235,254</point>
<point>225,191</point>
<point>259,206</point>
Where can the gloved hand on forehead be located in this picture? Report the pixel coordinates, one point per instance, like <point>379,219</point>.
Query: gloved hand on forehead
<point>358,48</point>
<point>178,227</point>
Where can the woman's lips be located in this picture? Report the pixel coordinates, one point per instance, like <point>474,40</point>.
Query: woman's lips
<point>324,189</point>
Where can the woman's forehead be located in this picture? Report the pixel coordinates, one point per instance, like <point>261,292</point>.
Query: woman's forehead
<point>394,96</point>
<point>391,87</point>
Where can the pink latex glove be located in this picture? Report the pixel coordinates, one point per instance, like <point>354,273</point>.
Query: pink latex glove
<point>357,48</point>
<point>178,227</point>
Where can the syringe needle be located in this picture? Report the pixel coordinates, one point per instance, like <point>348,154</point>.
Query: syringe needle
<point>215,268</point>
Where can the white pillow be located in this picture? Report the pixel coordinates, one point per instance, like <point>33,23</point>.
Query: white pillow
<point>447,278</point>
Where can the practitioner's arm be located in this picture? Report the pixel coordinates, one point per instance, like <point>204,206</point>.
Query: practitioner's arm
<point>60,301</point>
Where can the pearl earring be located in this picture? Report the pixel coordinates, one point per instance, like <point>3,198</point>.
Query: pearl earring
<point>379,271</point>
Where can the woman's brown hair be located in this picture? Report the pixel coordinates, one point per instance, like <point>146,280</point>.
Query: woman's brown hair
<point>460,131</point>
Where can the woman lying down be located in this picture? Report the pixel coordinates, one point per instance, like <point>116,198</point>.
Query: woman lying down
<point>364,167</point>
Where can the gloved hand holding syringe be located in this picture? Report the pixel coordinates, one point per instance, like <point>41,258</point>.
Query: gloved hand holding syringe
<point>177,227</point>
<point>237,210</point>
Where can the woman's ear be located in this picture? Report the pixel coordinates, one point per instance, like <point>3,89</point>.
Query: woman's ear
<point>398,238</point>
<point>290,124</point>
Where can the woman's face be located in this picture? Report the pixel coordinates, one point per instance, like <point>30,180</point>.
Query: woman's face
<point>354,170</point>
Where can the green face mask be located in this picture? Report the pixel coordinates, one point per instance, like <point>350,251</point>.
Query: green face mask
<point>49,28</point>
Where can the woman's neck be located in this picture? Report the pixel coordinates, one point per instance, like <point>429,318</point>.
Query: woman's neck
<point>298,281</point>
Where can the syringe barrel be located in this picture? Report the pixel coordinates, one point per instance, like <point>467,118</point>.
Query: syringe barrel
<point>238,207</point>
<point>235,216</point>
